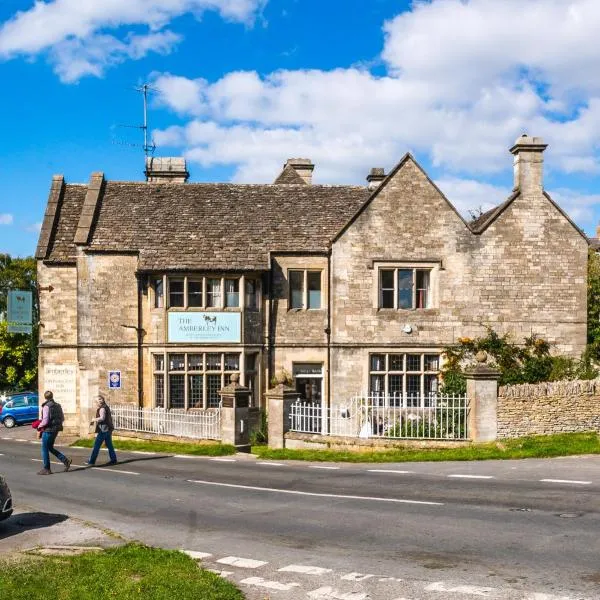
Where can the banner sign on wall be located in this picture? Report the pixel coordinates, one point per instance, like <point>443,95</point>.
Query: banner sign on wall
<point>204,327</point>
<point>19,312</point>
<point>61,380</point>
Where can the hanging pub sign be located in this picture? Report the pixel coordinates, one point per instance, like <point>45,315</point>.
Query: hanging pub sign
<point>19,312</point>
<point>205,327</point>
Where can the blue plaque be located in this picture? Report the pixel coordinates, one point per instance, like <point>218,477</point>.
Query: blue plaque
<point>114,380</point>
<point>205,327</point>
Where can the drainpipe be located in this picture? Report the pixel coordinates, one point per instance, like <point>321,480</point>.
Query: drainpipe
<point>328,332</point>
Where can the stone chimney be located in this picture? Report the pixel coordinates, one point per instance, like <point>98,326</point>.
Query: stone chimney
<point>528,163</point>
<point>302,166</point>
<point>166,170</point>
<point>375,177</point>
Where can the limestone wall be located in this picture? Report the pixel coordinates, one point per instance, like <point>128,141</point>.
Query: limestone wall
<point>547,408</point>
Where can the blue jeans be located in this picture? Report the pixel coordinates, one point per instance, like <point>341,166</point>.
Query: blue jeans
<point>48,438</point>
<point>106,438</point>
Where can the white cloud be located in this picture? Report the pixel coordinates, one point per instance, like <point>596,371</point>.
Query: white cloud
<point>6,219</point>
<point>34,227</point>
<point>471,197</point>
<point>579,206</point>
<point>76,30</point>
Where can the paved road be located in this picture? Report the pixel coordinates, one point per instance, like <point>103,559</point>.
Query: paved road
<point>503,530</point>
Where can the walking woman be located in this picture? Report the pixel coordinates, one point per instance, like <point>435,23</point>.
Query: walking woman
<point>104,429</point>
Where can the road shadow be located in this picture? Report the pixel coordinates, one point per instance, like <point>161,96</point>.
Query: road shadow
<point>126,461</point>
<point>21,522</point>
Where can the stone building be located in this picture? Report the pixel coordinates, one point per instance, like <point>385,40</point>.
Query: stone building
<point>171,287</point>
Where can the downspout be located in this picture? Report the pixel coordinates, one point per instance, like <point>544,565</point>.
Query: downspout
<point>140,333</point>
<point>328,332</point>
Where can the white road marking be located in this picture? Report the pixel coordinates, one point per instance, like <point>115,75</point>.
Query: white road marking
<point>389,471</point>
<point>139,452</point>
<point>224,459</point>
<point>96,469</point>
<point>20,440</point>
<point>197,555</point>
<point>1,454</point>
<point>440,586</point>
<point>270,585</point>
<point>387,579</point>
<point>34,442</point>
<point>5,437</point>
<point>566,481</point>
<point>244,563</point>
<point>297,493</point>
<point>329,593</point>
<point>323,467</point>
<point>542,596</point>
<point>270,464</point>
<point>357,576</point>
<point>462,476</point>
<point>306,569</point>
<point>184,456</point>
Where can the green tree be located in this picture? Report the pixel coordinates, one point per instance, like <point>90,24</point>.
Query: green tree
<point>18,352</point>
<point>593,298</point>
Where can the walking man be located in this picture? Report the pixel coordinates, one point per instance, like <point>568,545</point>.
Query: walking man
<point>104,429</point>
<point>50,425</point>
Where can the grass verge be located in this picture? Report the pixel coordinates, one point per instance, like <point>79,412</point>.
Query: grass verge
<point>125,573</point>
<point>540,446</point>
<point>210,449</point>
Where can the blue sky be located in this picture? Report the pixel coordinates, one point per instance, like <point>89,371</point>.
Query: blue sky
<point>244,84</point>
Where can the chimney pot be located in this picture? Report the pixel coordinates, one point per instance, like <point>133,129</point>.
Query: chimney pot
<point>375,177</point>
<point>528,163</point>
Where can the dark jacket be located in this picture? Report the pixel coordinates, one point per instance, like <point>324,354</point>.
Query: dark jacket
<point>57,417</point>
<point>106,424</point>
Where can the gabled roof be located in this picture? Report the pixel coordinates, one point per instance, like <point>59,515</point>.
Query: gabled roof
<point>289,176</point>
<point>407,157</point>
<point>218,226</point>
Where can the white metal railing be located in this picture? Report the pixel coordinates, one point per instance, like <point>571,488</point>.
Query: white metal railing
<point>434,416</point>
<point>197,424</point>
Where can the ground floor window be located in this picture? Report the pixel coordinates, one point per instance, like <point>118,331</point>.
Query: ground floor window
<point>192,380</point>
<point>404,379</point>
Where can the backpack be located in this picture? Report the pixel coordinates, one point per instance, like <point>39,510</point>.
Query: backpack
<point>57,417</point>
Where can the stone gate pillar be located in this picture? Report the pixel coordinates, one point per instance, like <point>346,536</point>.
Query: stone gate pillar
<point>235,400</point>
<point>482,392</point>
<point>279,402</point>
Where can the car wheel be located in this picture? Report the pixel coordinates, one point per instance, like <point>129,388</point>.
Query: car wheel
<point>9,422</point>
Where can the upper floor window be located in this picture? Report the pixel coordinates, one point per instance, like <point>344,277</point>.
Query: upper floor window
<point>304,289</point>
<point>205,292</point>
<point>405,288</point>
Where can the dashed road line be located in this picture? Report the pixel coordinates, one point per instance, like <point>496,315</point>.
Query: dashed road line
<point>270,585</point>
<point>270,464</point>
<point>323,467</point>
<point>315,494</point>
<point>440,586</point>
<point>356,576</point>
<point>243,563</point>
<point>140,452</point>
<point>224,459</point>
<point>390,471</point>
<point>566,481</point>
<point>305,570</point>
<point>465,476</point>
<point>329,593</point>
<point>88,467</point>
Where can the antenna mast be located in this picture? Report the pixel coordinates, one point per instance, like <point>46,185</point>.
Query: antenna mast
<point>148,148</point>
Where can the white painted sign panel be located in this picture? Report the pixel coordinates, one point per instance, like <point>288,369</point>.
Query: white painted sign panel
<point>61,380</point>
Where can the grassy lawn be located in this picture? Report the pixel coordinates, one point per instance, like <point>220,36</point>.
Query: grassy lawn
<point>126,573</point>
<point>208,449</point>
<point>542,446</point>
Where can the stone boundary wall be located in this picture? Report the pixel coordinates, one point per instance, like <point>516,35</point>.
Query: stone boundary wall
<point>549,407</point>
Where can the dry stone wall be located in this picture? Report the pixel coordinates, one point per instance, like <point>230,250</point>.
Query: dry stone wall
<point>547,408</point>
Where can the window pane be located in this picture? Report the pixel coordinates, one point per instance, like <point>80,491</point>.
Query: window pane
<point>213,384</point>
<point>213,292</point>
<point>413,362</point>
<point>195,391</point>
<point>176,292</point>
<point>159,293</point>
<point>296,289</point>
<point>251,294</point>
<point>376,385</point>
<point>195,362</point>
<point>213,362</point>
<point>405,288</point>
<point>386,288</point>
<point>176,362</point>
<point>251,362</point>
<point>159,391</point>
<point>413,390</point>
<point>377,362</point>
<point>232,362</point>
<point>431,384</point>
<point>194,292</point>
<point>177,391</point>
<point>432,362</point>
<point>314,289</point>
<point>159,362</point>
<point>423,295</point>
<point>395,389</point>
<point>232,293</point>
<point>396,362</point>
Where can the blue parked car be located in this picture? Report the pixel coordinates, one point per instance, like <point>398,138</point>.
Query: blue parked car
<point>19,409</point>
